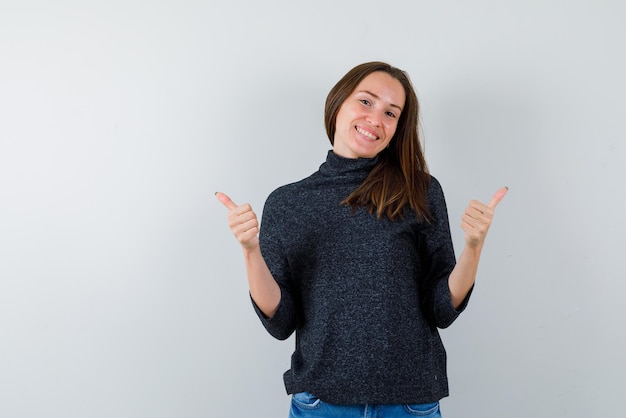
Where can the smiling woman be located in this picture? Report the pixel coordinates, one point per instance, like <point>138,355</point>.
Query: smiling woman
<point>357,260</point>
<point>387,99</point>
<point>367,120</point>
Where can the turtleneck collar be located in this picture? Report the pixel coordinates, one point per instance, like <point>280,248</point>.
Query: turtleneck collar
<point>337,165</point>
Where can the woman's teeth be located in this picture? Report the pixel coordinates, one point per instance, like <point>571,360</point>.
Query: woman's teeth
<point>367,134</point>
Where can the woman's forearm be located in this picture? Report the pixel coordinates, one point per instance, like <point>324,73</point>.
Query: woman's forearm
<point>463,275</point>
<point>263,287</point>
<point>245,226</point>
<point>475,222</point>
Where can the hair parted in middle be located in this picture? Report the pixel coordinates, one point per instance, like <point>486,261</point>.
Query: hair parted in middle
<point>400,176</point>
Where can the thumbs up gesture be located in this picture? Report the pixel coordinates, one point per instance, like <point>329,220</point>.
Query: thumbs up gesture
<point>242,221</point>
<point>477,219</point>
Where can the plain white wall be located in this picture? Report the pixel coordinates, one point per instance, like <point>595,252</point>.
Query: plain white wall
<point>122,291</point>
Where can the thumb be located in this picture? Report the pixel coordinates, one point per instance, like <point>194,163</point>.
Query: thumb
<point>225,200</point>
<point>497,197</point>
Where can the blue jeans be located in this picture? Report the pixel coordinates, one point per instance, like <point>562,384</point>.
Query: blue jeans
<point>306,405</point>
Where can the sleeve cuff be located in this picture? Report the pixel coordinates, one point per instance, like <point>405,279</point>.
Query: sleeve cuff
<point>282,324</point>
<point>445,312</point>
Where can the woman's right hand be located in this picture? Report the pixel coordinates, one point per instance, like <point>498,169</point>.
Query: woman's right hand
<point>242,221</point>
<point>263,288</point>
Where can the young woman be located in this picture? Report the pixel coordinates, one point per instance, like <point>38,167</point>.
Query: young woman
<point>357,259</point>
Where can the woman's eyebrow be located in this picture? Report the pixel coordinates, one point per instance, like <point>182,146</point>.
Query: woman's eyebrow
<point>378,98</point>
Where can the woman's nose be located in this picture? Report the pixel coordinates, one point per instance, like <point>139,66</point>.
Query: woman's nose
<point>374,118</point>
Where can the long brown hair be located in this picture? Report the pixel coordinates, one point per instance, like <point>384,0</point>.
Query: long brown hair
<point>400,176</point>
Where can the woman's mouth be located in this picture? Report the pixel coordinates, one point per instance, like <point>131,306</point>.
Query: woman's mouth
<point>366,134</point>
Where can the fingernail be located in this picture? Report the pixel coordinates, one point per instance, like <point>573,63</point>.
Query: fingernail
<point>506,187</point>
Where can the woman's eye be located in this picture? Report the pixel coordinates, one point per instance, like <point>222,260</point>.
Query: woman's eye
<point>391,114</point>
<point>365,102</point>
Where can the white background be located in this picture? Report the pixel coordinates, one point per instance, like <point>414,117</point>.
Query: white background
<point>122,291</point>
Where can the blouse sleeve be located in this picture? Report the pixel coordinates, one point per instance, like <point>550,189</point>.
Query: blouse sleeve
<point>440,261</point>
<point>283,323</point>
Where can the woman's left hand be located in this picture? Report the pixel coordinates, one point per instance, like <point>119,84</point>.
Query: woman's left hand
<point>477,219</point>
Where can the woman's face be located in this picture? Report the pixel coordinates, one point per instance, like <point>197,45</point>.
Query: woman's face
<point>368,118</point>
